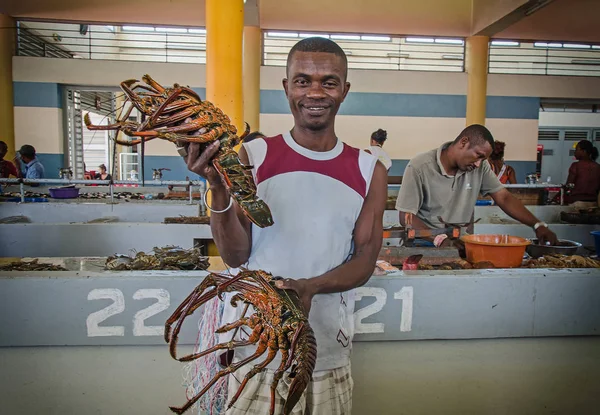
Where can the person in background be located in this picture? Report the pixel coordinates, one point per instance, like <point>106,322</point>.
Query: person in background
<point>7,169</point>
<point>441,186</point>
<point>376,148</point>
<point>103,175</point>
<point>503,171</point>
<point>253,135</point>
<point>584,175</point>
<point>32,168</point>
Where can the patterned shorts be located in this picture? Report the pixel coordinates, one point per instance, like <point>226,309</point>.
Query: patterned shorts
<point>329,393</point>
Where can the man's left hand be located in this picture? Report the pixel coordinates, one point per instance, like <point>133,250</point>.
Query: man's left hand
<point>544,234</point>
<point>301,287</point>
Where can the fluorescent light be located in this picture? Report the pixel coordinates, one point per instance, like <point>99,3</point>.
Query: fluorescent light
<point>547,45</point>
<point>376,38</point>
<point>505,43</point>
<point>576,46</point>
<point>453,57</point>
<point>397,55</point>
<point>186,46</point>
<point>450,41</point>
<point>420,39</point>
<point>282,34</point>
<point>314,35</point>
<point>595,46</point>
<point>171,29</point>
<point>346,37</point>
<point>201,31</point>
<point>138,28</point>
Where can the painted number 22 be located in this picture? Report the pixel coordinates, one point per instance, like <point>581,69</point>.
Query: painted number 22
<point>405,294</point>
<point>118,306</point>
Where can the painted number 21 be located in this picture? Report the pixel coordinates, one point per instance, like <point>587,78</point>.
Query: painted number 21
<point>405,294</point>
<point>118,306</point>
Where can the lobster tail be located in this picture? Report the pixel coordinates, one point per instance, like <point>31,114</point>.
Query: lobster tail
<point>242,188</point>
<point>305,361</point>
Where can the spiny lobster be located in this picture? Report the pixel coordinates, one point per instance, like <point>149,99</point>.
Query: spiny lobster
<point>179,115</point>
<point>279,324</point>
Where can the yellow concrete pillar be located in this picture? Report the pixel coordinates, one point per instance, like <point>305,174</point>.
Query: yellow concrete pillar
<point>251,78</point>
<point>476,65</point>
<point>7,113</point>
<point>224,31</point>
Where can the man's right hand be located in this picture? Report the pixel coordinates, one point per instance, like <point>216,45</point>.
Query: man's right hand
<point>199,162</point>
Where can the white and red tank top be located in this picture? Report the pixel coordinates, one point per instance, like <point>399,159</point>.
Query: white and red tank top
<point>315,199</point>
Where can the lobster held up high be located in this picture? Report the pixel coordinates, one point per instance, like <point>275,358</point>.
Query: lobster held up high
<point>278,325</point>
<point>178,115</point>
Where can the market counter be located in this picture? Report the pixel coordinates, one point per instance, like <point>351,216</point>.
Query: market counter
<point>130,308</point>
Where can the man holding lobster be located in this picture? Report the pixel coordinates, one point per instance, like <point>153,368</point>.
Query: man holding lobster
<point>327,200</point>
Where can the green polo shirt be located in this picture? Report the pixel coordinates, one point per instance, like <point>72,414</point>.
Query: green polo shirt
<point>428,191</point>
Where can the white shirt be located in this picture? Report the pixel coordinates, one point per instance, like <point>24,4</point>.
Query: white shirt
<point>381,155</point>
<point>315,199</point>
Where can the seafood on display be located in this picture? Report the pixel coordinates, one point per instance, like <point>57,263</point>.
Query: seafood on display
<point>178,115</point>
<point>33,265</point>
<point>278,325</point>
<point>562,261</point>
<point>167,258</point>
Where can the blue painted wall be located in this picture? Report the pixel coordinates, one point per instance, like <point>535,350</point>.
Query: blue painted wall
<point>43,94</point>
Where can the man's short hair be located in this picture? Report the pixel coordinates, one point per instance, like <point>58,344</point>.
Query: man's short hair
<point>27,151</point>
<point>477,135</point>
<point>3,145</point>
<point>318,44</point>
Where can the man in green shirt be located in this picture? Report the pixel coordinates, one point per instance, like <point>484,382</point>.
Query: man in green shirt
<point>446,182</point>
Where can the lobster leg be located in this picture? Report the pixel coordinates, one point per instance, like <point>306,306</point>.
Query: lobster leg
<point>175,335</point>
<point>250,321</point>
<point>262,347</point>
<point>177,313</point>
<point>153,84</point>
<point>285,365</point>
<point>161,110</point>
<point>193,302</point>
<point>116,126</point>
<point>133,97</point>
<point>257,368</point>
<point>254,337</point>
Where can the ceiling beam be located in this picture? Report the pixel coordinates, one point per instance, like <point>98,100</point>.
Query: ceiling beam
<point>251,13</point>
<point>491,17</point>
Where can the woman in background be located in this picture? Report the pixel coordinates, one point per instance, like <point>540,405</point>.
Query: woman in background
<point>504,172</point>
<point>103,175</point>
<point>376,148</point>
<point>584,175</point>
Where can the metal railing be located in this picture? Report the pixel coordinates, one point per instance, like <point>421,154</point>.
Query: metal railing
<point>128,43</point>
<point>110,183</point>
<point>544,58</point>
<point>376,51</point>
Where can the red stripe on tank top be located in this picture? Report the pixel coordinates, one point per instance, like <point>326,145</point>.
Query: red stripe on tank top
<point>281,159</point>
